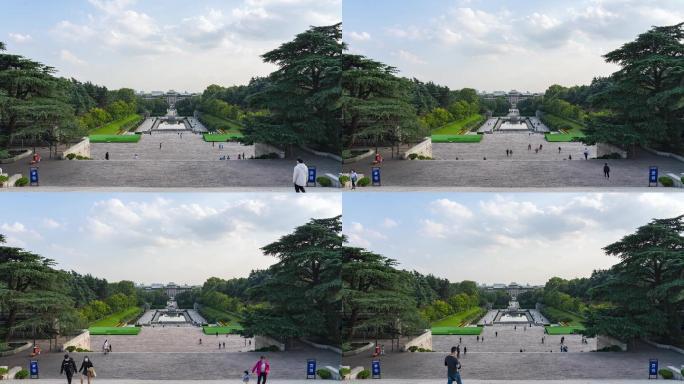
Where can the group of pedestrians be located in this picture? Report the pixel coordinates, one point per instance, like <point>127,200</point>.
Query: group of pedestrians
<point>68,368</point>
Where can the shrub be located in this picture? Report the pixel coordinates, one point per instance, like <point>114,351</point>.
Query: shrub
<point>270,348</point>
<point>71,348</point>
<point>324,181</point>
<point>22,374</point>
<point>365,374</point>
<point>4,154</point>
<point>21,182</point>
<point>345,371</point>
<point>413,156</point>
<point>413,348</point>
<point>682,179</point>
<point>3,371</point>
<point>344,179</point>
<point>364,181</point>
<point>666,374</point>
<point>612,348</point>
<point>666,181</point>
<point>3,178</point>
<point>71,156</point>
<point>324,374</point>
<point>611,156</point>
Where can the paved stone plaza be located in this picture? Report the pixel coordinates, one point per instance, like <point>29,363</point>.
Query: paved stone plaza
<point>173,339</point>
<point>419,174</point>
<point>510,339</point>
<point>387,381</point>
<point>493,147</point>
<point>181,173</point>
<point>523,366</point>
<point>184,365</point>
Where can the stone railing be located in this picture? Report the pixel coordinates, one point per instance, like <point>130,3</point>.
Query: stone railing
<point>369,152</point>
<point>80,341</point>
<point>423,148</point>
<point>321,346</point>
<point>359,350</point>
<point>265,341</point>
<point>664,154</point>
<point>422,341</point>
<point>261,149</point>
<point>23,155</point>
<point>81,148</point>
<point>323,154</point>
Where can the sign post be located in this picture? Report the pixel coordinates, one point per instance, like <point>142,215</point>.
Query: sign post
<point>311,369</point>
<point>33,176</point>
<point>375,176</point>
<point>33,369</point>
<point>375,369</point>
<point>653,175</point>
<point>653,368</point>
<point>312,176</point>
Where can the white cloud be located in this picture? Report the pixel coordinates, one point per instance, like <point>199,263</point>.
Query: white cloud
<point>359,36</point>
<point>409,57</point>
<point>13,228</point>
<point>19,38</point>
<point>361,236</point>
<point>51,224</point>
<point>433,229</point>
<point>389,223</point>
<point>70,58</point>
<point>451,209</point>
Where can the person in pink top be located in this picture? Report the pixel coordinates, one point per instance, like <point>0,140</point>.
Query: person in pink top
<point>262,368</point>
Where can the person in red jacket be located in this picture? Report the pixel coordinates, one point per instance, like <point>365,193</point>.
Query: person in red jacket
<point>262,368</point>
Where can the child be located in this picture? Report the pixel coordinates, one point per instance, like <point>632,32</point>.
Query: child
<point>245,377</point>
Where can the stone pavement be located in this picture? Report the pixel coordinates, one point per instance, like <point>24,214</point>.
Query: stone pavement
<point>185,365</point>
<point>519,173</point>
<point>493,147</point>
<point>172,173</point>
<point>523,366</point>
<point>190,146</point>
<point>172,339</point>
<point>387,381</point>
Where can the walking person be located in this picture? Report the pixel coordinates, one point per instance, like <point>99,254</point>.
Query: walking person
<point>465,350</point>
<point>262,369</point>
<point>453,367</point>
<point>300,175</point>
<point>353,176</point>
<point>606,171</point>
<point>559,149</point>
<point>160,145</point>
<point>106,155</point>
<point>87,370</point>
<point>68,368</point>
<point>586,154</point>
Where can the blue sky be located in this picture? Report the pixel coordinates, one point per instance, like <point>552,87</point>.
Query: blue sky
<point>147,237</point>
<point>500,44</point>
<point>500,238</point>
<point>158,45</point>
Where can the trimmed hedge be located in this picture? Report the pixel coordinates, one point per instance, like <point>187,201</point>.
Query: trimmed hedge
<point>114,138</point>
<point>343,179</point>
<point>21,374</point>
<point>221,137</point>
<point>323,181</point>
<point>365,374</point>
<point>456,330</point>
<point>666,374</point>
<point>456,138</point>
<point>223,330</point>
<point>117,126</point>
<point>364,181</point>
<point>666,181</point>
<point>21,182</point>
<point>324,374</point>
<point>118,318</point>
<point>114,330</point>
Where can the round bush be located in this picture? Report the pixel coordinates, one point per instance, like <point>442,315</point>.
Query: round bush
<point>324,181</point>
<point>324,374</point>
<point>3,178</point>
<point>666,374</point>
<point>365,374</point>
<point>345,371</point>
<point>665,181</point>
<point>682,179</point>
<point>71,156</point>
<point>22,374</point>
<point>71,348</point>
<point>413,156</point>
<point>344,179</point>
<point>413,348</point>
<point>3,371</point>
<point>364,181</point>
<point>21,182</point>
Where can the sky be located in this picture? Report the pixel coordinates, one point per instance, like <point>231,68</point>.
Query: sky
<point>500,238</point>
<point>492,45</point>
<point>158,238</point>
<point>158,44</point>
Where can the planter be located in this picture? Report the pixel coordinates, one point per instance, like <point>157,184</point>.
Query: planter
<point>17,155</point>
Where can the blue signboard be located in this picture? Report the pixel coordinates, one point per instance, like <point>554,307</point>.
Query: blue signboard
<point>311,369</point>
<point>33,175</point>
<point>375,175</point>
<point>33,369</point>
<point>652,175</point>
<point>653,368</point>
<point>375,369</point>
<point>312,176</point>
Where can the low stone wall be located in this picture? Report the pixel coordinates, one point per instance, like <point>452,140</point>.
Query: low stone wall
<point>603,149</point>
<point>14,351</point>
<point>80,341</point>
<point>11,180</point>
<point>357,351</point>
<point>368,153</point>
<point>664,154</point>
<point>323,154</point>
<point>321,346</point>
<point>265,341</point>
<point>20,156</point>
<point>81,148</point>
<point>261,149</point>
<point>423,148</point>
<point>422,341</point>
<point>665,346</point>
<point>604,341</point>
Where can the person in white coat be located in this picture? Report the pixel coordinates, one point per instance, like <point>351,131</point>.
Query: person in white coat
<point>300,176</point>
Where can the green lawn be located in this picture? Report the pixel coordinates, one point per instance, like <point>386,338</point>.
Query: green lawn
<point>569,322</point>
<point>559,137</point>
<point>114,330</point>
<point>223,330</point>
<point>457,127</point>
<point>456,138</point>
<point>563,330</point>
<point>457,319</point>
<point>116,126</point>
<point>114,138</point>
<point>213,315</point>
<point>219,124</point>
<point>221,137</point>
<point>456,330</point>
<point>116,319</point>
<point>567,129</point>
